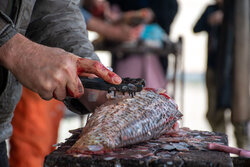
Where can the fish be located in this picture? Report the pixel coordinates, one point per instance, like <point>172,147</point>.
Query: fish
<point>126,120</point>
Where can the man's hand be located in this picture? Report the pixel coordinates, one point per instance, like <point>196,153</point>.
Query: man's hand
<point>126,33</point>
<point>120,32</point>
<point>51,72</point>
<point>145,13</point>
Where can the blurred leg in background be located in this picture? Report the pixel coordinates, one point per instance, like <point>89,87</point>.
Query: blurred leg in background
<point>215,117</point>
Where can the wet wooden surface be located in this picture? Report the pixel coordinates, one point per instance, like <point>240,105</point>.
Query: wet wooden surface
<point>187,148</point>
<point>241,161</point>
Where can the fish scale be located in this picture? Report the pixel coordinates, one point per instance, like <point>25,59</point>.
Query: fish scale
<point>127,121</point>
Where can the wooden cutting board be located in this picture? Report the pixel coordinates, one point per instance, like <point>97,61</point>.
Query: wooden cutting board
<point>187,148</point>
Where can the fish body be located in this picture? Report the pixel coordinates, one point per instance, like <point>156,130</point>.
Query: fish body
<point>129,120</point>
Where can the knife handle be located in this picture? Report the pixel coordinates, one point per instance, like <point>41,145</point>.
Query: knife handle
<point>95,83</point>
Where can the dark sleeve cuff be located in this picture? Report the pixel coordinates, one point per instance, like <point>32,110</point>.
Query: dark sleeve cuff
<point>7,28</point>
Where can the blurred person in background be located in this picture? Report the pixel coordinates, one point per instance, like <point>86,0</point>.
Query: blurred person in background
<point>219,75</point>
<point>211,22</point>
<point>164,10</point>
<point>164,13</point>
<point>233,69</point>
<point>149,66</point>
<point>117,32</point>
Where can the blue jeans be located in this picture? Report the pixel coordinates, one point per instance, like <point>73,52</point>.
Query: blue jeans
<point>3,155</point>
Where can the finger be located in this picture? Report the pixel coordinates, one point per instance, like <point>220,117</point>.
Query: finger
<point>46,91</point>
<point>75,88</point>
<point>136,32</point>
<point>59,93</point>
<point>88,75</point>
<point>139,29</point>
<point>90,66</point>
<point>46,95</point>
<point>59,85</point>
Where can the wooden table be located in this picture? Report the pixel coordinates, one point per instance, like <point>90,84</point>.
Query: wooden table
<point>187,148</point>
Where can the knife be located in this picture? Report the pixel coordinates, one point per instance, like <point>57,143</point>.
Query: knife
<point>130,85</point>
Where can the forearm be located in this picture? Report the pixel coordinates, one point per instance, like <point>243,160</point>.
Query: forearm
<point>99,26</point>
<point>112,32</point>
<point>9,52</point>
<point>51,72</point>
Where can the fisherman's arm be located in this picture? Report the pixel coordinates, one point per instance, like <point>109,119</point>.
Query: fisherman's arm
<point>61,24</point>
<point>50,71</point>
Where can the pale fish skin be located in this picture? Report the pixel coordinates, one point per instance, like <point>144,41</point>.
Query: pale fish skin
<point>129,120</point>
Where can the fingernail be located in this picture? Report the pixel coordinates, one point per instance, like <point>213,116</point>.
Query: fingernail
<point>80,89</point>
<point>70,92</point>
<point>117,79</point>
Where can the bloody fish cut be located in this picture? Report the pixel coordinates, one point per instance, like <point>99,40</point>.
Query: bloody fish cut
<point>128,120</point>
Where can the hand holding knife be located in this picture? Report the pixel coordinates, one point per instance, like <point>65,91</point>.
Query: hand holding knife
<point>129,85</point>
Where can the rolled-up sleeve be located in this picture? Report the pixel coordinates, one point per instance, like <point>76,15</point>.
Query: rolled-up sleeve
<point>59,23</point>
<point>7,28</point>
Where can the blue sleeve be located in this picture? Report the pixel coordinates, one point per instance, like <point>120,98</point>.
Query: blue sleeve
<point>86,15</point>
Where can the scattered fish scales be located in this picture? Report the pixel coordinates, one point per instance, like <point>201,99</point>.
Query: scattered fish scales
<point>125,121</point>
<point>180,147</point>
<point>155,156</point>
<point>199,137</point>
<point>163,154</point>
<point>109,158</point>
<point>184,144</point>
<point>168,147</point>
